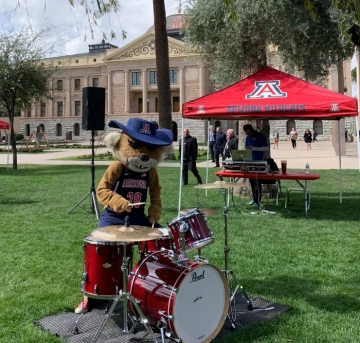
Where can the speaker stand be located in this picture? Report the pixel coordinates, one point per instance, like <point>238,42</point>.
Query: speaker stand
<point>92,193</point>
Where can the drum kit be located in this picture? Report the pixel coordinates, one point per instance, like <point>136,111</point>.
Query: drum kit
<point>166,290</point>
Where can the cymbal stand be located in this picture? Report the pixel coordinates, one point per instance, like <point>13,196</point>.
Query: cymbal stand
<point>230,277</point>
<point>124,297</point>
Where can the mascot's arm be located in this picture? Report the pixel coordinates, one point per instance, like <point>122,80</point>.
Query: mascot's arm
<point>154,210</point>
<point>106,196</point>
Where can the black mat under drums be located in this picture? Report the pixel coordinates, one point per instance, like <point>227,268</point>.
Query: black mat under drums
<point>63,324</point>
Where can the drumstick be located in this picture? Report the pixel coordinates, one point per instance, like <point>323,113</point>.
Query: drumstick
<point>136,204</point>
<point>153,224</point>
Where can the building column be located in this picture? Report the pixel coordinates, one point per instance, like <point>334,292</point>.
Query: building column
<point>127,91</point>
<point>201,80</point>
<point>67,107</point>
<point>109,110</point>
<point>49,102</point>
<point>86,81</point>
<point>182,86</point>
<point>144,90</point>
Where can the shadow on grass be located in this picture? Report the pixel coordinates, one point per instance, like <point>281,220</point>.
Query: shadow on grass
<point>5,200</point>
<point>308,290</point>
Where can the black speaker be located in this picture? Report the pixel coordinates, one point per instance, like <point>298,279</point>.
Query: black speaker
<point>93,108</point>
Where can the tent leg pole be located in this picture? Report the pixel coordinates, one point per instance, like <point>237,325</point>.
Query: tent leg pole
<point>340,176</point>
<point>207,156</point>
<point>181,163</point>
<point>358,140</point>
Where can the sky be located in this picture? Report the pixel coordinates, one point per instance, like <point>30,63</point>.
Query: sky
<point>68,25</point>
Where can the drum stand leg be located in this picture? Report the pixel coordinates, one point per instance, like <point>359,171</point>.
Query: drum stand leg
<point>125,297</point>
<point>230,277</point>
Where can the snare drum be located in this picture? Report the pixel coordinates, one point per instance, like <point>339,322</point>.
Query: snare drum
<point>192,297</point>
<point>149,247</point>
<point>196,232</point>
<point>102,278</point>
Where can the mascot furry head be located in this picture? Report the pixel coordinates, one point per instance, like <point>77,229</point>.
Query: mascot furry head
<point>138,150</point>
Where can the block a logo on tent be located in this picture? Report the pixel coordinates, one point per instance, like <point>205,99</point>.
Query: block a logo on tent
<point>266,89</point>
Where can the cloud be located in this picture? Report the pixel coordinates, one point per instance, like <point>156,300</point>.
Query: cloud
<point>135,17</point>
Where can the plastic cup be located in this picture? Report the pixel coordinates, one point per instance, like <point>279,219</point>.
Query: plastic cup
<point>283,166</point>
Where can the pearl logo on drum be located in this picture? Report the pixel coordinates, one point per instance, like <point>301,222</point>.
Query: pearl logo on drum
<point>195,277</point>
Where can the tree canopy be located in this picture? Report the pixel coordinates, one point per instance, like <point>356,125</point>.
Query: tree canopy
<point>236,46</point>
<point>23,75</point>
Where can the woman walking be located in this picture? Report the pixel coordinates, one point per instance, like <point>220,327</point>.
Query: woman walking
<point>276,139</point>
<point>308,139</point>
<point>293,137</point>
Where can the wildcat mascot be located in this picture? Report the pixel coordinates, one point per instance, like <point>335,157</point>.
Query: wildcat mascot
<point>138,150</point>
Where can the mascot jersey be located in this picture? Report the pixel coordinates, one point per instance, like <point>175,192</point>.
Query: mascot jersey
<point>133,187</point>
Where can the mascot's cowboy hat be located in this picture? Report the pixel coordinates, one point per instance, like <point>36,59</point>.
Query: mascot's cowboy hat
<point>145,131</point>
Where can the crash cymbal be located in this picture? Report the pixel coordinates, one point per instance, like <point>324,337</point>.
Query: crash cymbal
<point>206,211</point>
<point>134,233</point>
<point>220,184</point>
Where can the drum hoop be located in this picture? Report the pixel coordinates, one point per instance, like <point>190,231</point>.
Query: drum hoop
<point>103,242</point>
<point>226,307</point>
<point>198,244</point>
<point>185,216</point>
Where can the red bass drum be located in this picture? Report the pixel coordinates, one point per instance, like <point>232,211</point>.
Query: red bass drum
<point>192,298</point>
<point>103,277</point>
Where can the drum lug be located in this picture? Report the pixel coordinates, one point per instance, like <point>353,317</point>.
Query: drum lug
<point>85,276</point>
<point>173,289</point>
<point>184,227</point>
<point>211,233</point>
<point>162,314</point>
<point>95,289</point>
<point>202,259</point>
<point>97,250</point>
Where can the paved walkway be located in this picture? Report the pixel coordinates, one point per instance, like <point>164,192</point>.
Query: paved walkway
<point>321,156</point>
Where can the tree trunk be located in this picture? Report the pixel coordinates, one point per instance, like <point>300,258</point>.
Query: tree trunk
<point>162,65</point>
<point>13,138</point>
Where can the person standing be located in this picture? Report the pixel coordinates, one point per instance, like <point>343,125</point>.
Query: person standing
<point>293,137</point>
<point>212,139</point>
<point>190,156</point>
<point>232,143</point>
<point>346,136</point>
<point>276,139</point>
<point>219,146</point>
<point>307,139</point>
<point>314,134</point>
<point>257,143</point>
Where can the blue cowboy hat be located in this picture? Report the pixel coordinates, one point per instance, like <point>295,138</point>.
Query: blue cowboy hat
<point>145,131</point>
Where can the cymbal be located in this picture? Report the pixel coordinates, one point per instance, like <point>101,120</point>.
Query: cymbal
<point>206,211</point>
<point>220,184</point>
<point>134,233</point>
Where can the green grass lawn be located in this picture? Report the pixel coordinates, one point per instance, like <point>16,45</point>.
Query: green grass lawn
<point>310,264</point>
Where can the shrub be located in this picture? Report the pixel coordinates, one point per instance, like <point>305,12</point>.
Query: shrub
<point>19,136</point>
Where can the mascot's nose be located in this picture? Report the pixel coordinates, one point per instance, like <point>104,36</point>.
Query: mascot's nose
<point>144,158</point>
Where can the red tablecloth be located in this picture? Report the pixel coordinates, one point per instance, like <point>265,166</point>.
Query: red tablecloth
<point>297,176</point>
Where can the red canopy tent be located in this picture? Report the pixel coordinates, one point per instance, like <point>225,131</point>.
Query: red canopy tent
<point>4,125</point>
<point>272,94</point>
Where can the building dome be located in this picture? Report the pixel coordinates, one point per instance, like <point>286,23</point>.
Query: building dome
<point>173,26</point>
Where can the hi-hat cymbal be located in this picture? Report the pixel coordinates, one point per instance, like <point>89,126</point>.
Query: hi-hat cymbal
<point>206,211</point>
<point>134,233</point>
<point>220,184</point>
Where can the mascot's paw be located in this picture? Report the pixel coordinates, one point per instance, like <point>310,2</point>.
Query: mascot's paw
<point>121,205</point>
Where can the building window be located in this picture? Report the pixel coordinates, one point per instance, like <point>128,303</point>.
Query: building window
<point>58,130</point>
<point>59,85</point>
<point>28,113</point>
<point>42,109</point>
<point>318,127</point>
<point>289,125</point>
<point>77,108</point>
<point>27,130</point>
<point>77,84</point>
<point>173,76</point>
<point>95,82</point>
<point>60,109</point>
<point>136,78</point>
<point>77,129</point>
<point>176,104</point>
<point>153,77</point>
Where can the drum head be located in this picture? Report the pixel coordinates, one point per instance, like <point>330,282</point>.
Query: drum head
<point>201,304</point>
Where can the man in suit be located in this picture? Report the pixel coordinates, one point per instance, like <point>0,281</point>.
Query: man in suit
<point>190,147</point>
<point>219,146</point>
<point>212,139</point>
<point>232,143</point>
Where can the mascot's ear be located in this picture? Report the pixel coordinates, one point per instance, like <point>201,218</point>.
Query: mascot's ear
<point>112,139</point>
